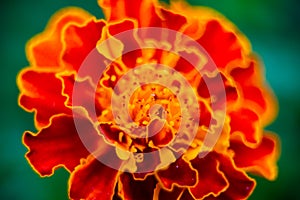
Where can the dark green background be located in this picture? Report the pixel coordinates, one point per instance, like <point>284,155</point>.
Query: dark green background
<point>271,25</point>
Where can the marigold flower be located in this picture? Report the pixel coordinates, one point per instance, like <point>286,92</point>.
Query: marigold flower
<point>178,171</point>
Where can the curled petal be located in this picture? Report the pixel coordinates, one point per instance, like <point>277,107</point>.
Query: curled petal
<point>162,194</point>
<point>261,101</point>
<point>93,103</point>
<point>240,184</point>
<point>211,180</point>
<point>254,90</point>
<point>246,123</point>
<point>169,17</point>
<point>186,195</point>
<point>57,145</point>
<point>142,10</point>
<point>222,46</point>
<point>260,160</point>
<point>44,50</point>
<point>41,92</point>
<point>185,176</point>
<point>131,189</point>
<point>80,41</point>
<point>93,180</point>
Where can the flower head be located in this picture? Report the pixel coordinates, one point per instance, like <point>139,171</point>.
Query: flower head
<point>155,102</point>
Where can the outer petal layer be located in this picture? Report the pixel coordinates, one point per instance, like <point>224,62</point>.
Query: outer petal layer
<point>93,181</point>
<point>56,145</point>
<point>261,160</point>
<point>240,185</point>
<point>41,91</point>
<point>44,50</point>
<point>211,179</point>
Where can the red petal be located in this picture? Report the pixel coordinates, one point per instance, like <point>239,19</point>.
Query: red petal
<point>240,185</point>
<point>246,122</point>
<point>212,84</point>
<point>129,42</point>
<point>255,92</point>
<point>245,76</point>
<point>41,91</point>
<point>162,194</point>
<point>261,160</point>
<point>112,133</point>
<point>87,99</point>
<point>80,41</point>
<point>221,45</point>
<point>187,196</point>
<point>131,189</point>
<point>185,175</point>
<point>126,24</point>
<point>44,50</point>
<point>160,138</point>
<point>56,145</point>
<point>168,19</point>
<point>211,179</point>
<point>93,181</point>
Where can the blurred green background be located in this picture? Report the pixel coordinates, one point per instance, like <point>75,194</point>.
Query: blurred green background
<point>273,27</point>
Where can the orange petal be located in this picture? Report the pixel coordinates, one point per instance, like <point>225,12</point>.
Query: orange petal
<point>41,92</point>
<point>128,40</point>
<point>260,160</point>
<point>93,180</point>
<point>221,45</point>
<point>142,10</point>
<point>80,41</point>
<point>131,189</point>
<point>56,145</point>
<point>44,50</point>
<point>161,137</point>
<point>179,173</point>
<point>211,180</point>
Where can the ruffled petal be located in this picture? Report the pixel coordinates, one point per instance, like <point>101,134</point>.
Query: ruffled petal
<point>245,122</point>
<point>93,180</point>
<point>80,41</point>
<point>44,50</point>
<point>185,176</point>
<point>260,160</point>
<point>131,189</point>
<point>57,145</point>
<point>169,17</point>
<point>222,45</point>
<point>142,10</point>
<point>41,92</point>
<point>211,180</point>
<point>254,90</point>
<point>186,195</point>
<point>85,98</point>
<point>162,194</point>
<point>240,184</point>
